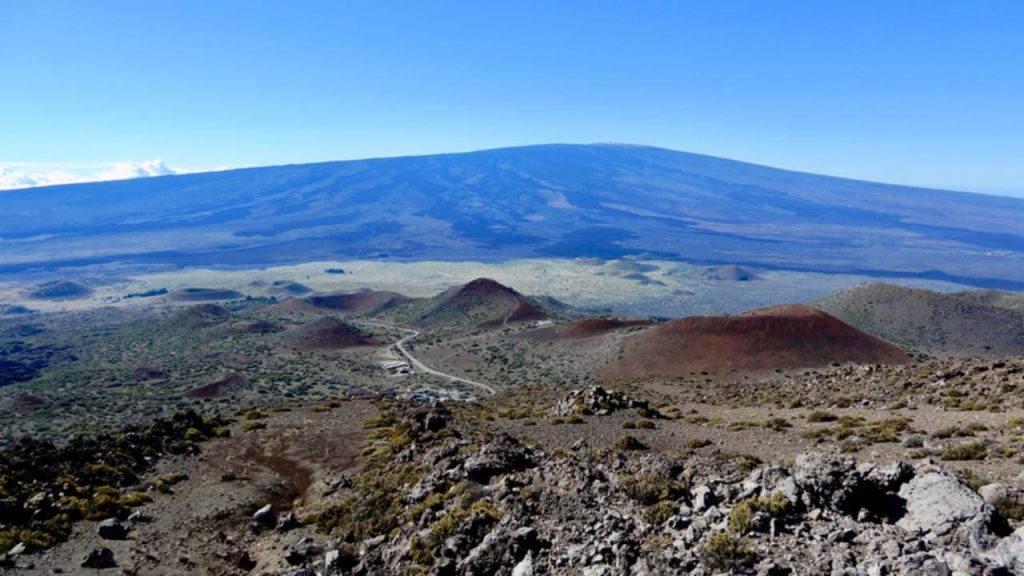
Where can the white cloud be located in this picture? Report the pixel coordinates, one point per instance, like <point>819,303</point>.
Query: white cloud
<point>11,179</point>
<point>126,170</point>
<point>25,177</point>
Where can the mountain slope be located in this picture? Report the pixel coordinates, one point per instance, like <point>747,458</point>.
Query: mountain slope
<point>482,302</point>
<point>552,200</point>
<point>782,337</point>
<point>326,334</point>
<point>958,325</point>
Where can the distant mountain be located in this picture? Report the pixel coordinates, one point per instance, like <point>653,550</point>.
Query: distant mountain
<point>729,273</point>
<point>482,302</point>
<point>997,298</point>
<point>60,290</point>
<point>964,324</point>
<point>761,341</point>
<point>604,201</point>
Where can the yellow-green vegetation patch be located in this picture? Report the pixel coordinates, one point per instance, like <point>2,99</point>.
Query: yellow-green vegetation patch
<point>967,451</point>
<point>480,511</point>
<point>878,431</point>
<point>627,442</point>
<point>821,416</point>
<point>741,516</point>
<point>727,552</point>
<point>252,425</point>
<point>92,475</point>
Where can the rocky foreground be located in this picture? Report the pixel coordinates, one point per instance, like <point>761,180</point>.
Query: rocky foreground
<point>501,507</point>
<point>442,491</point>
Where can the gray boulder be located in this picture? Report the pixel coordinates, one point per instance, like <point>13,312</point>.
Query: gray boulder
<point>826,480</point>
<point>111,529</point>
<point>703,498</point>
<point>99,558</point>
<point>502,455</point>
<point>265,516</point>
<point>1008,553</point>
<point>939,502</point>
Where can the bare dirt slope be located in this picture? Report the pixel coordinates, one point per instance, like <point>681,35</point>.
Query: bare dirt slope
<point>778,338</point>
<point>327,334</point>
<point>199,523</point>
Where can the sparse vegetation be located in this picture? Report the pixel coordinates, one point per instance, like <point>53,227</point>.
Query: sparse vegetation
<point>724,551</point>
<point>968,451</point>
<point>821,416</point>
<point>627,442</point>
<point>697,443</point>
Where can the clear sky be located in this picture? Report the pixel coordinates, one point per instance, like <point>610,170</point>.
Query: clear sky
<point>924,92</point>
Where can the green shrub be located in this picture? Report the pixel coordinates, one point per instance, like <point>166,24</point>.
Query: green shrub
<point>969,451</point>
<point>194,435</point>
<point>251,425</point>
<point>697,443</point>
<point>747,462</point>
<point>740,517</point>
<point>482,512</point>
<point>650,488</point>
<point>821,416</point>
<point>657,514</point>
<point>1009,509</point>
<point>627,442</point>
<point>727,552</point>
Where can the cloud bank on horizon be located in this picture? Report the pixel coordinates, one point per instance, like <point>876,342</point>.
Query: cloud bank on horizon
<point>16,179</point>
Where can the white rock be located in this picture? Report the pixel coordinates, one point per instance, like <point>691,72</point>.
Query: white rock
<point>937,503</point>
<point>524,567</point>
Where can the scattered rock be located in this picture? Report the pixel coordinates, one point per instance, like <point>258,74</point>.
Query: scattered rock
<point>596,400</point>
<point>937,502</point>
<point>138,517</point>
<point>703,498</point>
<point>112,529</point>
<point>265,517</point>
<point>502,455</point>
<point>100,558</point>
<point>287,522</point>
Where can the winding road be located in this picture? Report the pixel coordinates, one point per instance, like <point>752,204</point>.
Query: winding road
<point>404,352</point>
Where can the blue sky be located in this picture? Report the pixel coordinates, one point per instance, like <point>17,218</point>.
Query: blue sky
<point>919,92</point>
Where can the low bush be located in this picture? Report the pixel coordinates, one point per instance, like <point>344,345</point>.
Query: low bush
<point>968,451</point>
<point>627,442</point>
<point>726,552</point>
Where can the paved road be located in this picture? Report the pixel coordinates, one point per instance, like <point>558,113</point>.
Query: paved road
<point>404,352</point>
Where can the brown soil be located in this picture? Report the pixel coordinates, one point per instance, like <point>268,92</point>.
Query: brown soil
<point>24,402</point>
<point>200,316</point>
<point>252,327</point>
<point>356,301</point>
<point>225,386</point>
<point>778,338</point>
<point>201,527</point>
<point>326,334</point>
<point>590,327</point>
